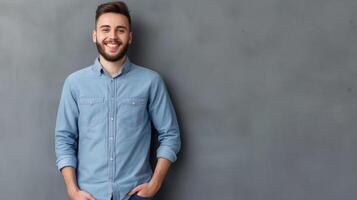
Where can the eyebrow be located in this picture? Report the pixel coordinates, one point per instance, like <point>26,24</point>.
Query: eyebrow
<point>107,26</point>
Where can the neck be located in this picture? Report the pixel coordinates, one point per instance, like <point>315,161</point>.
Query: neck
<point>112,67</point>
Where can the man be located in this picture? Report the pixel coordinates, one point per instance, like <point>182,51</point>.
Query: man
<point>103,127</point>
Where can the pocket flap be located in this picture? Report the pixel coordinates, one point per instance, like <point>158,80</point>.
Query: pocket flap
<point>134,101</point>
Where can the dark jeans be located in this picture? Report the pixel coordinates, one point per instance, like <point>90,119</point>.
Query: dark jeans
<point>136,197</point>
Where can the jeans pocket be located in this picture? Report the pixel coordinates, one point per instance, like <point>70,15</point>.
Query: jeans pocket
<point>137,197</point>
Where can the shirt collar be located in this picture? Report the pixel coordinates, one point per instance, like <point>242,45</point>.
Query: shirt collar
<point>98,68</point>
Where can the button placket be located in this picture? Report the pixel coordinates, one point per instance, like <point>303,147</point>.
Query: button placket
<point>112,128</point>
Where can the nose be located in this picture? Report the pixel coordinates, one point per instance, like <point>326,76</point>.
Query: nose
<point>113,35</point>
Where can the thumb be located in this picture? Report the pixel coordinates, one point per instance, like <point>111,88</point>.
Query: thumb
<point>89,196</point>
<point>136,189</point>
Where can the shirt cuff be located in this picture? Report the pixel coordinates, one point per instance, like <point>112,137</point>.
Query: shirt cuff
<point>66,161</point>
<point>166,152</point>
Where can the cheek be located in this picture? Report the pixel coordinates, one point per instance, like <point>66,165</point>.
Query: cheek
<point>100,41</point>
<point>100,38</point>
<point>124,38</point>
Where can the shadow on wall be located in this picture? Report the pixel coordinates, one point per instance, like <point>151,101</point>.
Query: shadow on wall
<point>176,169</point>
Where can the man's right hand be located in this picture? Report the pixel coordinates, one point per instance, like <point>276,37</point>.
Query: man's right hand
<point>74,192</point>
<point>80,195</point>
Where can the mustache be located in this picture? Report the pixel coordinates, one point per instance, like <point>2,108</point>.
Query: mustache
<point>115,41</point>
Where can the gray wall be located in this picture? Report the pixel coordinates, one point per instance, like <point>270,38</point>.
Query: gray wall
<point>265,91</point>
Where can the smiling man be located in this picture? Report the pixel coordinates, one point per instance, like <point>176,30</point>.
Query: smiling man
<point>104,119</point>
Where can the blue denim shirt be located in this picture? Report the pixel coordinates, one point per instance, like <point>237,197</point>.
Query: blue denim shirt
<point>103,128</point>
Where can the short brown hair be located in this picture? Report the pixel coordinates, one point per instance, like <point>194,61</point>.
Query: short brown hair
<point>113,7</point>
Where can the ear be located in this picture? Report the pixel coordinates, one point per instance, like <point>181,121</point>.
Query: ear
<point>130,37</point>
<point>94,36</point>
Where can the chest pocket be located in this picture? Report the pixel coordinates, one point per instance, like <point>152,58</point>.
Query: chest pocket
<point>132,112</point>
<point>91,112</point>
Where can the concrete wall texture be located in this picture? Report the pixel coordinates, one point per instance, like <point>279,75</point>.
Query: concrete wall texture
<point>265,92</point>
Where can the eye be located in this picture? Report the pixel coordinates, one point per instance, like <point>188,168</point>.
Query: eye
<point>105,30</point>
<point>121,30</point>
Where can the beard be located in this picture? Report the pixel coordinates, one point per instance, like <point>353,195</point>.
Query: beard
<point>112,58</point>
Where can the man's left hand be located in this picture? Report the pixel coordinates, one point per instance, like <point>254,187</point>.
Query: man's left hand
<point>145,190</point>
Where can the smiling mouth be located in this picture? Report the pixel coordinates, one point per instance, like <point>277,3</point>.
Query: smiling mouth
<point>113,47</point>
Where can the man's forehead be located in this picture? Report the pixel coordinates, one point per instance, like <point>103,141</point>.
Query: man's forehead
<point>113,19</point>
<point>115,26</point>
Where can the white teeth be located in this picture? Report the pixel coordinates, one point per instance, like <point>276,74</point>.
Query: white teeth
<point>112,45</point>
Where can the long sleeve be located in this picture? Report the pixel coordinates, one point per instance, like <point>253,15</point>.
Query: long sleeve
<point>66,130</point>
<point>164,119</point>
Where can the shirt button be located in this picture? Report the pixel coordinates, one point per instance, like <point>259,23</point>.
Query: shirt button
<point>133,103</point>
<point>112,118</point>
<point>111,159</point>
